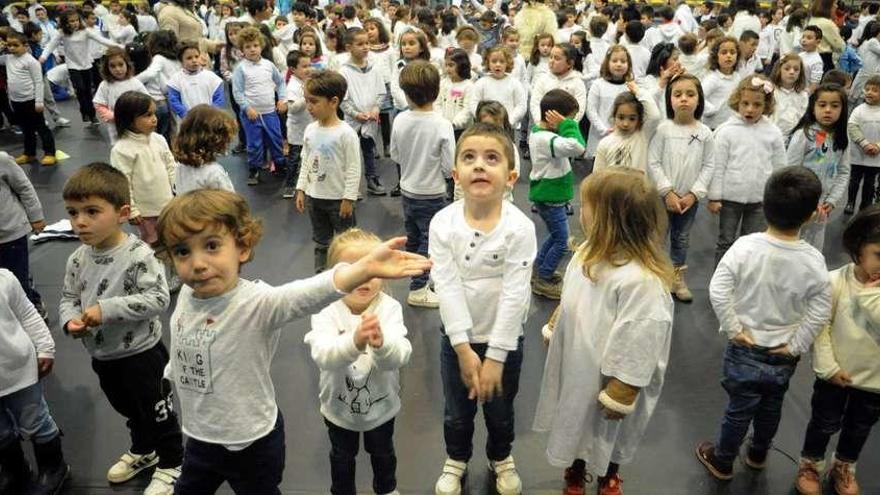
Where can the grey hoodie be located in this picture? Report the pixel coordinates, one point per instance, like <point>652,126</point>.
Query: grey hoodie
<point>19,204</point>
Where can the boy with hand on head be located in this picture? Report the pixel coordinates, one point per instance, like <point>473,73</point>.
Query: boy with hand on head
<point>366,91</point>
<point>113,298</point>
<point>767,334</point>
<point>423,143</point>
<point>482,248</point>
<point>331,164</point>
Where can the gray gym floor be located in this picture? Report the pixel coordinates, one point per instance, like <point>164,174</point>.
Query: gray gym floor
<point>690,408</point>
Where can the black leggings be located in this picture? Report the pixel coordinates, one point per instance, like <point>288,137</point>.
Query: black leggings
<point>84,86</point>
<point>867,176</point>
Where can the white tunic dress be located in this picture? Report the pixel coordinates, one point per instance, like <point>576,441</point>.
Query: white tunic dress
<point>621,327</point>
<point>600,103</point>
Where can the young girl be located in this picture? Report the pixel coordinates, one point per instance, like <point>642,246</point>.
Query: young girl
<point>510,40</point>
<point>230,56</point>
<point>455,91</point>
<point>539,61</point>
<point>413,45</point>
<point>635,117</point>
<point>663,66</point>
<point>118,74</point>
<point>846,393</point>
<point>204,134</point>
<point>76,38</point>
<point>492,112</point>
<point>468,38</point>
<point>193,85</point>
<point>400,24</point>
<point>382,58</point>
<point>564,73</point>
<point>162,46</point>
<point>820,143</point>
<point>611,366</point>
<point>126,28</point>
<point>721,81</point>
<point>143,156</point>
<point>359,343</point>
<point>791,93</point>
<point>748,148</point>
<point>615,72</point>
<point>681,160</point>
<point>310,46</point>
<point>499,85</point>
<point>225,330</point>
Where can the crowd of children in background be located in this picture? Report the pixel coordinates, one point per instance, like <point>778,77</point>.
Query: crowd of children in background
<point>770,118</point>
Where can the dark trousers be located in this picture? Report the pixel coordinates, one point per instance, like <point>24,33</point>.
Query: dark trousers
<point>737,219</point>
<point>680,234</point>
<point>756,382</point>
<point>242,137</point>
<point>14,257</point>
<point>294,157</point>
<point>417,215</point>
<point>850,411</point>
<point>33,123</point>
<point>459,411</point>
<point>164,121</point>
<point>867,177</point>
<point>136,389</point>
<point>255,470</point>
<point>556,244</point>
<point>368,151</point>
<point>84,86</point>
<point>378,442</point>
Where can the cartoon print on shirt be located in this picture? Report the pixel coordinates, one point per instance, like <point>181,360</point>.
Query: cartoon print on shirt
<point>820,157</point>
<point>132,274</point>
<point>358,397</point>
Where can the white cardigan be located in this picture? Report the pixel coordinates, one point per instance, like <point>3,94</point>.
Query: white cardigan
<point>149,166</point>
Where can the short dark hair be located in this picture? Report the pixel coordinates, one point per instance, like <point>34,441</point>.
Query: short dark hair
<point>183,46</point>
<point>293,58</point>
<point>864,228</point>
<point>303,8</point>
<point>130,106</point>
<point>635,31</point>
<point>666,13</point>
<point>349,12</point>
<point>30,29</point>
<point>352,33</point>
<point>420,81</point>
<point>327,84</point>
<point>254,6</point>
<point>560,101</point>
<point>791,196</point>
<point>598,25</point>
<point>815,30</point>
<point>748,35</point>
<point>20,37</point>
<point>99,180</point>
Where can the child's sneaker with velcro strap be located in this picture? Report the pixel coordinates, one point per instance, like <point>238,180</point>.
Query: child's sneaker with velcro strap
<point>449,482</point>
<point>507,480</point>
<point>129,465</point>
<point>163,481</point>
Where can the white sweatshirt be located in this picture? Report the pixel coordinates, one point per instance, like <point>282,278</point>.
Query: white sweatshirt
<point>682,158</point>
<point>76,47</point>
<point>149,166</point>
<point>24,79</point>
<point>864,129</point>
<point>572,82</point>
<point>745,157</point>
<point>156,76</point>
<point>790,107</point>
<point>452,102</point>
<point>24,337</point>
<point>508,91</point>
<point>717,88</point>
<point>331,162</point>
<point>297,115</point>
<point>423,143</point>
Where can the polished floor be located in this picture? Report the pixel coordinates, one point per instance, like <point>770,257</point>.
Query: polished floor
<point>689,410</point>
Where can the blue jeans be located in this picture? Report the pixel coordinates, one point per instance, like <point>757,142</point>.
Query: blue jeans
<point>14,257</point>
<point>368,150</point>
<point>555,246</point>
<point>417,215</point>
<point>735,220</point>
<point>756,382</point>
<point>25,414</point>
<point>164,122</point>
<point>680,234</point>
<point>267,127</point>
<point>459,411</point>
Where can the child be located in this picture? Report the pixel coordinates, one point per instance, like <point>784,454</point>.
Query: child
<point>635,118</point>
<point>749,61</point>
<point>492,112</point>
<point>204,133</point>
<point>565,68</point>
<point>820,142</point>
<point>554,140</point>
<point>539,61</point>
<point>791,93</point>
<point>467,38</point>
<point>681,160</point>
<point>869,51</point>
<point>510,40</point>
<point>25,86</point>
<point>359,343</point>
<point>193,85</point>
<point>604,374</point>
<point>482,248</point>
<point>162,46</point>
<point>413,46</point>
<point>310,46</point>
<point>634,34</point>
<point>813,68</point>
<point>366,91</point>
<point>114,295</point>
<point>663,66</point>
<point>766,334</point>
<point>225,330</point>
<point>423,143</point>
<point>259,90</point>
<point>331,167</point>
<point>846,392</point>
<point>500,86</point>
<point>864,130</point>
<point>27,355</point>
<point>383,58</point>
<point>143,157</point>
<point>453,101</point>
<point>748,148</point>
<point>230,56</point>
<point>117,73</point>
<point>298,117</point>
<point>693,61</point>
<point>721,81</point>
<point>36,41</point>
<point>615,72</point>
<point>598,27</point>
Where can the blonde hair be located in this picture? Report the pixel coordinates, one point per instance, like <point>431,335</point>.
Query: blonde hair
<point>747,84</point>
<point>347,239</point>
<point>628,224</point>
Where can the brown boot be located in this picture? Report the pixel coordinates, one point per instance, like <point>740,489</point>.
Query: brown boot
<point>679,286</point>
<point>843,475</point>
<point>808,481</point>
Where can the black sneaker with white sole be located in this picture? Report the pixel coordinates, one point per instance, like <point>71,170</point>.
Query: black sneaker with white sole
<point>253,177</point>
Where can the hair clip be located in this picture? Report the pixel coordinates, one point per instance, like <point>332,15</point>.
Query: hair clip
<point>764,84</point>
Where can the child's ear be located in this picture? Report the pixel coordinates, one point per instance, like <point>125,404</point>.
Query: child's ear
<point>124,213</point>
<point>455,175</point>
<point>512,176</point>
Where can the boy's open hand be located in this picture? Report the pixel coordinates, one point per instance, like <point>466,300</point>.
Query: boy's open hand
<point>92,316</point>
<point>554,118</point>
<point>470,366</point>
<point>841,379</point>
<point>388,261</point>
<point>300,201</point>
<point>715,207</point>
<point>44,366</point>
<point>490,380</point>
<point>743,339</point>
<point>252,114</point>
<point>346,208</point>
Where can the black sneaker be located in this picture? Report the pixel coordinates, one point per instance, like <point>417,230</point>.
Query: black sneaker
<point>253,178</point>
<point>568,209</point>
<point>848,210</point>
<point>288,192</point>
<point>374,187</point>
<point>396,191</point>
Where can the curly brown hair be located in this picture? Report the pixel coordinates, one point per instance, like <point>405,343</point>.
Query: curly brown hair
<point>204,133</point>
<point>112,53</point>
<point>755,83</point>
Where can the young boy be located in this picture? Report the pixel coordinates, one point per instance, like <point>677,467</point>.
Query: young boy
<point>423,143</point>
<point>553,141</point>
<point>192,85</point>
<point>748,47</point>
<point>598,26</point>
<point>113,299</point>
<point>25,86</point>
<point>668,31</point>
<point>298,117</point>
<point>259,90</point>
<point>27,354</point>
<point>813,67</point>
<point>767,334</point>
<point>641,56</point>
<point>864,130</point>
<point>366,90</point>
<point>482,248</point>
<point>331,168</point>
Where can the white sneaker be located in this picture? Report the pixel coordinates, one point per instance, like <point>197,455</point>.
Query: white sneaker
<point>395,492</point>
<point>62,122</point>
<point>424,297</point>
<point>163,481</point>
<point>450,480</point>
<point>129,465</point>
<point>507,480</point>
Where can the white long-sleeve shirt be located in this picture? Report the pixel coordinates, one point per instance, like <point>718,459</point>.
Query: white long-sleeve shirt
<point>452,102</point>
<point>423,143</point>
<point>24,337</point>
<point>814,149</point>
<point>572,82</point>
<point>864,129</point>
<point>682,158</point>
<point>790,107</point>
<point>76,47</point>
<point>208,176</point>
<point>482,278</point>
<point>156,76</point>
<point>777,290</point>
<point>813,66</point>
<point>149,166</point>
<point>257,85</point>
<point>365,93</point>
<point>508,91</point>
<point>24,78</point>
<point>297,115</point>
<point>630,151</point>
<point>717,88</point>
<point>600,102</point>
<point>745,157</point>
<point>331,162</point>
<point>359,390</point>
<point>640,56</point>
